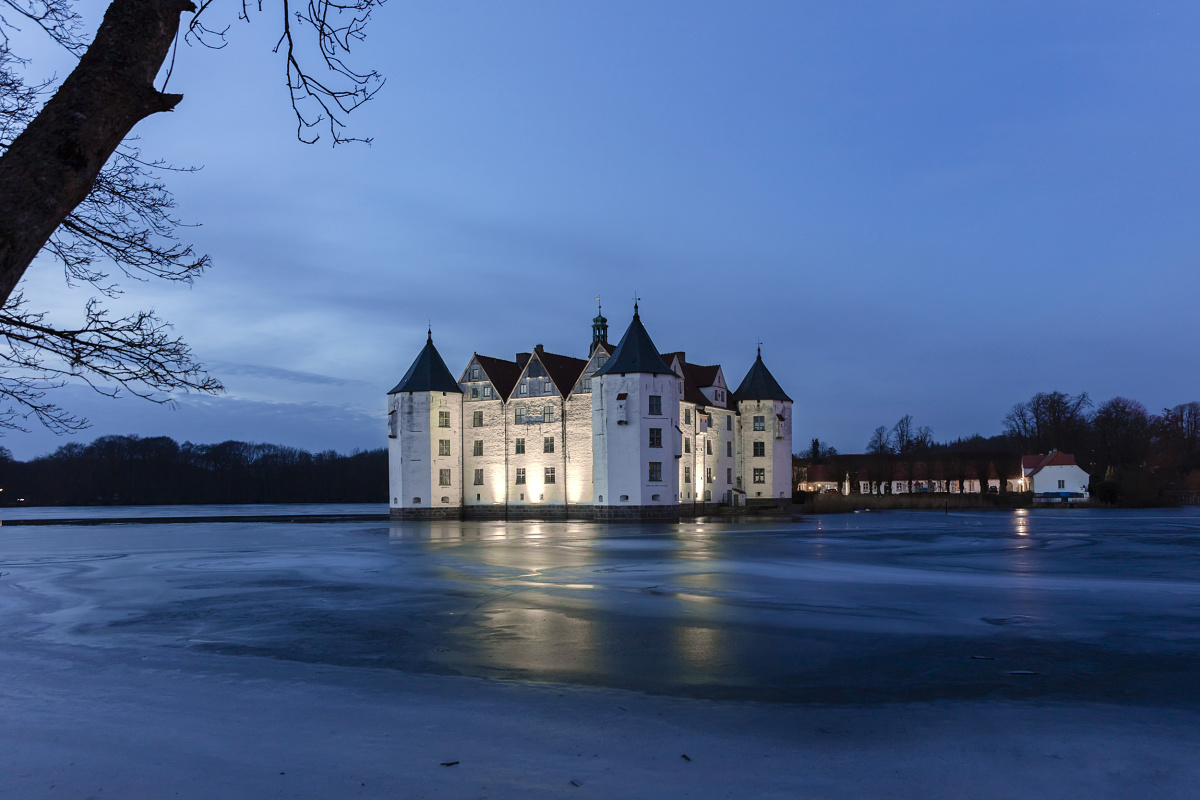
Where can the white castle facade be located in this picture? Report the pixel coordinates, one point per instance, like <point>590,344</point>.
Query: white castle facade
<point>628,433</point>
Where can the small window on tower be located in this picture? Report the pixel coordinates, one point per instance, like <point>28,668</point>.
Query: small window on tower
<point>477,450</point>
<point>687,445</point>
<point>729,449</point>
<point>687,416</point>
<point>708,446</point>
<point>687,474</point>
<point>760,475</point>
<point>443,419</point>
<point>655,471</point>
<point>760,450</point>
<point>729,423</point>
<point>655,405</point>
<point>443,447</point>
<point>760,423</point>
<point>443,477</point>
<point>478,479</point>
<point>729,475</point>
<point>656,437</point>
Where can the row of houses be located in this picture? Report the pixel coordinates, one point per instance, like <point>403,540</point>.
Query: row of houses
<point>1050,477</point>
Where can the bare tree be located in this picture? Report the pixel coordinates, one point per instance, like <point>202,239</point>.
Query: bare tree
<point>881,441</point>
<point>902,434</point>
<point>1050,421</point>
<point>74,185</point>
<point>1122,433</point>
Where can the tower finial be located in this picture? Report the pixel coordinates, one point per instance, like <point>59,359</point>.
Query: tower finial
<point>760,349</point>
<point>429,332</point>
<point>635,306</point>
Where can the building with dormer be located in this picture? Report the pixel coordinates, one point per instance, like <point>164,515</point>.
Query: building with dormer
<point>628,433</point>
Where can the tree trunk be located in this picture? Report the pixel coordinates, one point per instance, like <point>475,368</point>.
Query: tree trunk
<point>51,166</point>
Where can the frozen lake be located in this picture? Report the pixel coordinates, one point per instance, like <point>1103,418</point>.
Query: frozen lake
<point>1033,620</point>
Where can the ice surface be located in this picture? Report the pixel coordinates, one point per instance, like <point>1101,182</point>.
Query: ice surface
<point>862,655</point>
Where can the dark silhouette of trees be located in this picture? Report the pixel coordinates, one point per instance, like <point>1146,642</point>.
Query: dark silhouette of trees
<point>881,441</point>
<point>1121,433</point>
<point>1050,421</point>
<point>73,184</point>
<point>131,470</point>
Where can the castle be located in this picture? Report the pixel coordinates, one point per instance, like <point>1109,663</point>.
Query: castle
<point>628,433</point>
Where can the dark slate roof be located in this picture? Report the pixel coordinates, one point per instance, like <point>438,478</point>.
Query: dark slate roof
<point>635,353</point>
<point>705,376</point>
<point>503,374</point>
<point>760,384</point>
<point>427,374</point>
<point>563,370</point>
<point>691,387</point>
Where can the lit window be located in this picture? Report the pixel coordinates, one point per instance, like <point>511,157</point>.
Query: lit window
<point>443,447</point>
<point>760,475</point>
<point>655,471</point>
<point>478,449</point>
<point>760,423</point>
<point>655,405</point>
<point>549,474</point>
<point>443,419</point>
<point>520,446</point>
<point>477,419</point>
<point>760,450</point>
<point>656,437</point>
<point>443,477</point>
<point>524,389</point>
<point>520,475</point>
<point>478,478</point>
<point>547,444</point>
<point>487,392</point>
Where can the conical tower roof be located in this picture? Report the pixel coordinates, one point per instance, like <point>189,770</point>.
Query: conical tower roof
<point>760,384</point>
<point>428,373</point>
<point>635,352</point>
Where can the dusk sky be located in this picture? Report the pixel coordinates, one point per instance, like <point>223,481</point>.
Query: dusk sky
<point>935,209</point>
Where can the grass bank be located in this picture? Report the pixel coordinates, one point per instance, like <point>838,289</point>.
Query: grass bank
<point>844,504</point>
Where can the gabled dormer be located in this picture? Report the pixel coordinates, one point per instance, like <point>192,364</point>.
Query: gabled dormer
<point>600,355</point>
<point>547,374</point>
<point>487,378</point>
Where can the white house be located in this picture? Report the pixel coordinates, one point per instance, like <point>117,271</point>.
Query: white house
<point>627,433</point>
<point>1054,477</point>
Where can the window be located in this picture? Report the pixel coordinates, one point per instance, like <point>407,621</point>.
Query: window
<point>687,416</point>
<point>729,423</point>
<point>519,416</point>
<point>443,477</point>
<point>443,419</point>
<point>487,392</point>
<point>443,447</point>
<point>474,392</point>
<point>548,414</point>
<point>600,360</point>
<point>549,474</point>
<point>760,450</point>
<point>655,471</point>
<point>478,480</point>
<point>1062,484</point>
<point>760,423</point>
<point>474,373</point>
<point>708,446</point>
<point>524,389</point>
<point>729,475</point>
<point>708,475</point>
<point>655,405</point>
<point>656,437</point>
<point>729,449</point>
<point>520,448</point>
<point>520,475</point>
<point>587,384</point>
<point>478,449</point>
<point>687,474</point>
<point>547,444</point>
<point>687,445</point>
<point>477,419</point>
<point>760,475</point>
<point>547,386</point>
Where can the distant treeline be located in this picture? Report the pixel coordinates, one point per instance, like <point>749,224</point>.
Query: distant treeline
<point>1134,457</point>
<point>130,470</point>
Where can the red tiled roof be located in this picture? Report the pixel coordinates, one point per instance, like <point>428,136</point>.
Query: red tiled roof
<point>1032,465</point>
<point>503,374</point>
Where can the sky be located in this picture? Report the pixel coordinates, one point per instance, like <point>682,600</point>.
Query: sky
<point>934,209</point>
